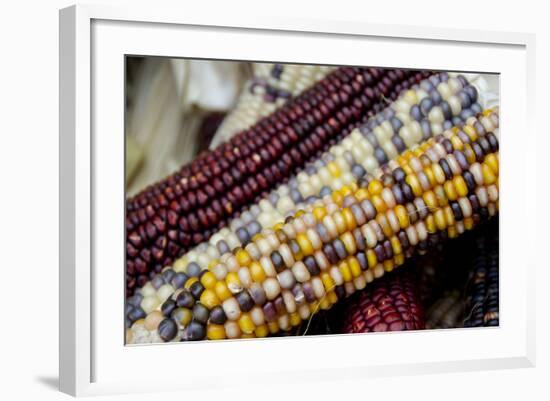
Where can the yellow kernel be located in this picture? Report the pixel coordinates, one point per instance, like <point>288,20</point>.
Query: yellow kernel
<point>314,307</point>
<point>247,335</point>
<point>346,272</point>
<point>354,267</point>
<point>295,319</point>
<point>431,176</point>
<point>407,169</point>
<point>375,187</point>
<point>388,265</point>
<point>278,226</point>
<point>328,282</point>
<point>348,218</point>
<point>319,213</point>
<point>488,175</point>
<point>379,204</point>
<point>246,324</point>
<point>468,223</point>
<point>325,304</point>
<point>382,220</point>
<point>243,258</point>
<point>439,174</point>
<point>273,327</point>
<point>460,186</point>
<point>492,161</point>
<point>399,259</point>
<point>450,190</point>
<point>215,332</point>
<point>439,217</point>
<point>349,242</point>
<point>332,297</point>
<point>430,224</point>
<point>414,183</point>
<point>430,199</point>
<point>469,153</point>
<point>449,216</point>
<point>470,131</point>
<point>346,190</point>
<point>442,199</point>
<point>456,142</point>
<point>208,280</point>
<point>402,216</point>
<point>339,221</point>
<point>361,194</point>
<point>371,258</point>
<point>261,331</point>
<point>396,245</point>
<point>233,281</point>
<point>305,244</point>
<point>257,272</point>
<point>209,298</point>
<point>337,197</point>
<point>222,291</point>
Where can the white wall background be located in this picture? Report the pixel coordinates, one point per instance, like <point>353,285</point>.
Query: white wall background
<point>29,197</point>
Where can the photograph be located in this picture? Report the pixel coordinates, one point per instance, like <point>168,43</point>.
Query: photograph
<point>268,199</point>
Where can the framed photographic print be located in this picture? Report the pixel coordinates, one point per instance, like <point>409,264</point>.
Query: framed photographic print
<point>319,192</point>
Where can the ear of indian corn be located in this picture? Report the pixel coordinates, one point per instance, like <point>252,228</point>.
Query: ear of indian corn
<point>482,292</point>
<point>346,169</point>
<point>186,208</point>
<point>391,304</point>
<point>313,262</point>
<point>383,137</point>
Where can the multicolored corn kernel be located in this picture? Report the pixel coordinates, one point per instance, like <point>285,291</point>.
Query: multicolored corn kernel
<point>377,245</point>
<point>186,208</point>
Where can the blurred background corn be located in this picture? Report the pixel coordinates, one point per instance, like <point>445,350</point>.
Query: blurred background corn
<point>390,305</point>
<point>334,246</point>
<point>482,292</point>
<point>269,88</point>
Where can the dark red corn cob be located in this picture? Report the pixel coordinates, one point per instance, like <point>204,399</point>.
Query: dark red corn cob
<point>391,304</point>
<point>186,208</point>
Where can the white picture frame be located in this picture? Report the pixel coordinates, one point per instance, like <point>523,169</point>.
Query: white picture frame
<point>93,42</point>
